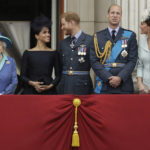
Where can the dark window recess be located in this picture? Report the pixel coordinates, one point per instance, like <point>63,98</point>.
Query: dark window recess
<point>23,10</point>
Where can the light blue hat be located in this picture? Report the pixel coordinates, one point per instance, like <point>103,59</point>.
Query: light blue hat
<point>6,40</point>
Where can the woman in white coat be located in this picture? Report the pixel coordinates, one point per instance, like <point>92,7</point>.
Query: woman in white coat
<point>143,66</point>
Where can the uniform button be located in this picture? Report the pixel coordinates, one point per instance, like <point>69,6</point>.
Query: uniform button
<point>72,50</point>
<point>71,59</point>
<point>70,67</point>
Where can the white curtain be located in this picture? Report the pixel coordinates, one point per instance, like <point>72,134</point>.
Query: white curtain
<point>19,32</point>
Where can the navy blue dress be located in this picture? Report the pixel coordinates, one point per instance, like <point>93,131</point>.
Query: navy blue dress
<point>38,66</point>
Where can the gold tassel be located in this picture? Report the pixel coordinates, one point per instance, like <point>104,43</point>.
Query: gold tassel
<point>75,136</point>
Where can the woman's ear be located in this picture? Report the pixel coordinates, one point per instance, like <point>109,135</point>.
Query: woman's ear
<point>36,36</point>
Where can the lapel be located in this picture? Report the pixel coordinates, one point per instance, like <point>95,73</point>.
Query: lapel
<point>107,35</point>
<point>80,40</point>
<point>68,41</point>
<point>118,36</point>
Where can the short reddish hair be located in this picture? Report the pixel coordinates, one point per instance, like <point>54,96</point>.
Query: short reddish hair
<point>68,16</point>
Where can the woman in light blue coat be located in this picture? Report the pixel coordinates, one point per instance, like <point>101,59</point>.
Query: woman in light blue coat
<point>143,67</point>
<point>8,76</point>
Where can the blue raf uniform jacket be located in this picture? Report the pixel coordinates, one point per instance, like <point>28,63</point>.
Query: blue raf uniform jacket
<point>125,73</point>
<point>71,60</point>
<point>8,77</point>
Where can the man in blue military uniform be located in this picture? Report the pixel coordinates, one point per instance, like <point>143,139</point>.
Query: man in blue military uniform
<point>74,56</point>
<point>114,55</point>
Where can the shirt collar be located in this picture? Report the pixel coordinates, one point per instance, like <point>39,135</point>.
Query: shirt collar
<point>2,62</point>
<point>77,35</point>
<point>110,30</point>
<point>4,57</point>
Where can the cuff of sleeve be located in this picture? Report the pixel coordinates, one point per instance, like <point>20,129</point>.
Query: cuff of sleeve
<point>139,74</point>
<point>106,77</point>
<point>53,82</point>
<point>123,79</point>
<point>2,93</point>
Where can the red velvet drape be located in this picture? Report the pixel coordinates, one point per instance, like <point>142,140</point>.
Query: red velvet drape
<point>106,122</point>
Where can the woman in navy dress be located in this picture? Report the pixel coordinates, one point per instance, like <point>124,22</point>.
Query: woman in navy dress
<point>38,62</point>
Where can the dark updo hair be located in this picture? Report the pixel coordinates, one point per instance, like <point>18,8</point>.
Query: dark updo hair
<point>147,21</point>
<point>39,22</point>
<point>146,16</point>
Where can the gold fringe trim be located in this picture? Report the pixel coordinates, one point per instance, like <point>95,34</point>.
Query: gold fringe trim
<point>107,51</point>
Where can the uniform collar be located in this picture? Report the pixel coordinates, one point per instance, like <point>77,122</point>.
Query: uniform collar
<point>77,35</point>
<point>4,57</point>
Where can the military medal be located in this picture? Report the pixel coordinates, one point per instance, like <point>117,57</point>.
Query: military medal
<point>81,60</point>
<point>84,53</point>
<point>71,45</point>
<point>79,52</point>
<point>125,43</point>
<point>123,46</point>
<point>124,53</point>
<point>82,50</point>
<point>72,42</point>
<point>99,83</point>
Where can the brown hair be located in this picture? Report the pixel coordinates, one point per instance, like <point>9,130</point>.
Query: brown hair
<point>68,16</point>
<point>112,6</point>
